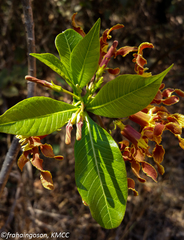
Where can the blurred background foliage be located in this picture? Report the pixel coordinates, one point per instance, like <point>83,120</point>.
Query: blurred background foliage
<point>158,212</point>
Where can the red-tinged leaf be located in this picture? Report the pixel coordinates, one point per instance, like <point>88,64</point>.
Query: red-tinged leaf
<point>46,180</point>
<point>131,185</point>
<point>149,170</point>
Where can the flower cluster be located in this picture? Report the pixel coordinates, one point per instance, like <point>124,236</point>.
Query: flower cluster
<point>30,146</point>
<point>153,121</point>
<point>105,52</point>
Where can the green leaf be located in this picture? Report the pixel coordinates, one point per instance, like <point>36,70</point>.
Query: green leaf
<point>85,57</point>
<point>65,42</point>
<point>36,116</point>
<point>101,175</point>
<point>126,95</point>
<point>55,64</point>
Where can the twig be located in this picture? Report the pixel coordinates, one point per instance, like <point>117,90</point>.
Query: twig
<point>8,163</point>
<point>15,147</point>
<point>28,16</point>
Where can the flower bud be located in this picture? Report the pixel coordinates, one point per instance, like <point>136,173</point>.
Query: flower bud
<point>69,128</point>
<point>79,130</point>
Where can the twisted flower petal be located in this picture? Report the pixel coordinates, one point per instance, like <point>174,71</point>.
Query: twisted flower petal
<point>140,61</point>
<point>31,146</point>
<point>131,185</point>
<point>76,27</point>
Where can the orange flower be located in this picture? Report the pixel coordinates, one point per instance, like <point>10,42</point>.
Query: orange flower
<point>154,120</point>
<point>140,61</point>
<point>31,145</point>
<point>131,185</point>
<point>166,96</point>
<point>109,54</point>
<point>77,28</point>
<point>136,152</point>
<point>103,40</point>
<point>105,53</point>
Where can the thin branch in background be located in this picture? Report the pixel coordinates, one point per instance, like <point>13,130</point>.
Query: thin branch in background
<point>15,147</point>
<point>28,18</point>
<point>8,163</point>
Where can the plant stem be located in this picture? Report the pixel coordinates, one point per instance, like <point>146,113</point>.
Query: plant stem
<point>29,25</point>
<point>8,163</point>
<point>15,146</point>
<point>70,93</point>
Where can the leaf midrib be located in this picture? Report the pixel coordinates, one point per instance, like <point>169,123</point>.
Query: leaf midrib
<point>82,70</point>
<point>68,44</point>
<point>38,117</point>
<point>93,149</point>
